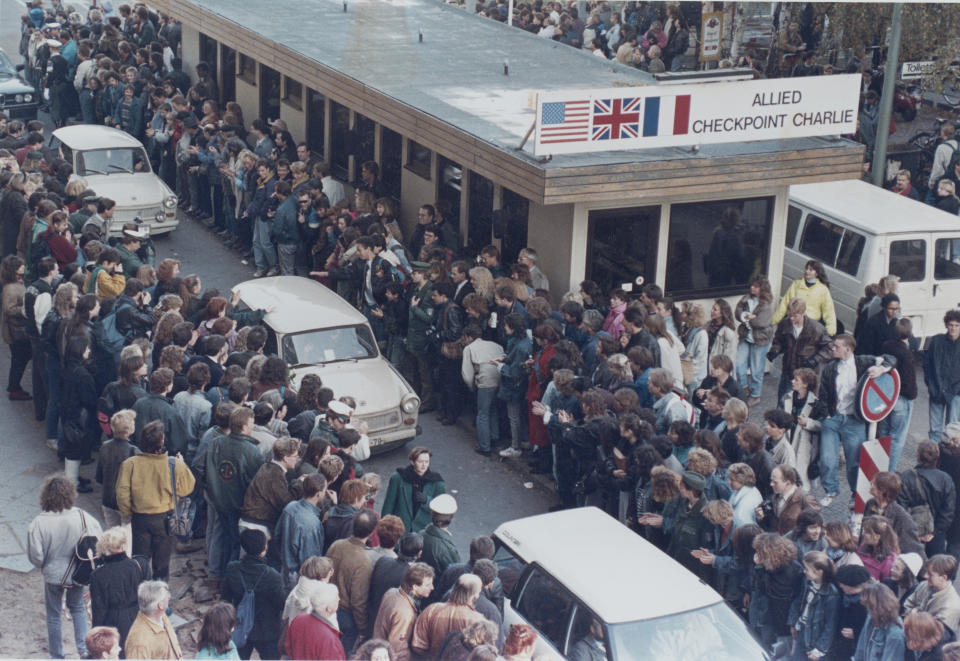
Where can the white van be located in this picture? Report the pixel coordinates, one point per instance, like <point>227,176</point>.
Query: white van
<point>861,233</point>
<point>585,581</point>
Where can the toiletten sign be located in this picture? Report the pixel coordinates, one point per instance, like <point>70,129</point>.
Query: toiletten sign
<point>626,118</point>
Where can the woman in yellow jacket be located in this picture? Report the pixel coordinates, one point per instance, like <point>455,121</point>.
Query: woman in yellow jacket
<point>814,289</point>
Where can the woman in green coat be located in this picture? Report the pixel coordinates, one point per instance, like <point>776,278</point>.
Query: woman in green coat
<point>411,489</point>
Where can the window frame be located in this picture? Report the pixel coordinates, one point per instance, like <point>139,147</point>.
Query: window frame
<point>707,291</point>
<point>244,65</point>
<point>294,101</point>
<point>923,255</point>
<point>418,167</point>
<point>793,225</point>
<point>936,258</point>
<point>810,220</point>
<point>523,583</point>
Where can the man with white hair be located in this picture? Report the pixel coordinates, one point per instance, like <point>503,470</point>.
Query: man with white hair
<point>315,635</point>
<point>439,619</point>
<point>152,636</point>
<point>528,257</point>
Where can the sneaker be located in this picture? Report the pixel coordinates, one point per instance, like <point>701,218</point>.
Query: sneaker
<point>259,273</point>
<point>272,272</point>
<point>20,396</point>
<point>52,444</point>
<point>510,452</point>
<point>753,401</point>
<point>826,500</point>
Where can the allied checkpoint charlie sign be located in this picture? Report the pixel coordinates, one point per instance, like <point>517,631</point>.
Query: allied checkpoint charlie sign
<point>623,118</point>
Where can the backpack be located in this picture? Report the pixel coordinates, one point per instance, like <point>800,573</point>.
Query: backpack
<point>245,611</point>
<point>106,407</point>
<point>113,338</point>
<point>922,514</point>
<point>954,157</point>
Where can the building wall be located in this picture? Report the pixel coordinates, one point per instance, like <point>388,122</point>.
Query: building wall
<point>415,191</point>
<point>550,231</point>
<point>296,120</point>
<point>248,96</point>
<point>190,37</point>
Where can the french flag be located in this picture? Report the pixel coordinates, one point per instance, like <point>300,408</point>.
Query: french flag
<point>669,115</point>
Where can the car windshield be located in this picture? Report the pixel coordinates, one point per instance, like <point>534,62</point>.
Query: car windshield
<point>111,161</point>
<point>329,345</point>
<point>714,633</point>
<point>6,66</point>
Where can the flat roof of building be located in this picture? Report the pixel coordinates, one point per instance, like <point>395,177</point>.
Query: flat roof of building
<point>456,74</point>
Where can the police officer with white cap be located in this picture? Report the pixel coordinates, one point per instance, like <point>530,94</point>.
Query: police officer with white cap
<point>439,550</point>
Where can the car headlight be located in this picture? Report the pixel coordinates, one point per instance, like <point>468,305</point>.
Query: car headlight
<point>28,98</point>
<point>18,98</point>
<point>170,202</point>
<point>160,217</point>
<point>410,404</point>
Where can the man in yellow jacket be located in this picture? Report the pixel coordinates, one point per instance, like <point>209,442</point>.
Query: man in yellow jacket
<point>145,493</point>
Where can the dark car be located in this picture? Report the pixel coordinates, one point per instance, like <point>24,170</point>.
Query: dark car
<point>18,98</point>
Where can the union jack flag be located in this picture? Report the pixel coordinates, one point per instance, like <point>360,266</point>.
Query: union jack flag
<point>616,119</point>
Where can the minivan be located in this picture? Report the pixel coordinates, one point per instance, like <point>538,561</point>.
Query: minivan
<point>584,580</point>
<point>861,233</point>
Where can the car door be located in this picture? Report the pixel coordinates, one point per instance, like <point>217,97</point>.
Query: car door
<point>541,601</point>
<point>908,256</point>
<point>945,290</point>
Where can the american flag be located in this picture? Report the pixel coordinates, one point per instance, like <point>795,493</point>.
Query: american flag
<point>565,121</point>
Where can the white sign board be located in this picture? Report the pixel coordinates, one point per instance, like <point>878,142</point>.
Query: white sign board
<point>579,121</point>
<point>915,69</point>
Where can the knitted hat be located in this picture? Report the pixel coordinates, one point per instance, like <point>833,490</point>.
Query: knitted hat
<point>695,481</point>
<point>853,575</point>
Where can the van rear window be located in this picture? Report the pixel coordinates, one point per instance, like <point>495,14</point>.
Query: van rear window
<point>946,265</point>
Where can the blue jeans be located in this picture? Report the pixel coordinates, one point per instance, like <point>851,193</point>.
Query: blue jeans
<point>896,425</point>
<point>348,629</point>
<point>52,597</point>
<point>264,252</point>
<point>223,544</point>
<point>754,357</point>
<point>938,410</point>
<point>53,396</point>
<point>488,424</point>
<point>851,433</point>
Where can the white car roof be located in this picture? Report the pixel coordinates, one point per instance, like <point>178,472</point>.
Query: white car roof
<point>301,304</point>
<point>92,136</point>
<point>873,209</point>
<point>617,573</point>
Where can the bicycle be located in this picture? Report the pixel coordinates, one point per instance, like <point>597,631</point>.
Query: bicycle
<point>926,141</point>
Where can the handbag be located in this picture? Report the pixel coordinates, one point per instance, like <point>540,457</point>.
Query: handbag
<point>179,521</point>
<point>452,349</point>
<point>84,558</point>
<point>17,325</point>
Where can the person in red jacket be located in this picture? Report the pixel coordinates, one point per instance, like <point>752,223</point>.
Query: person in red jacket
<point>58,240</point>
<point>315,635</point>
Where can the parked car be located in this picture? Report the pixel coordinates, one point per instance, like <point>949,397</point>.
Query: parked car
<point>18,98</point>
<point>317,332</point>
<point>115,165</point>
<point>580,577</point>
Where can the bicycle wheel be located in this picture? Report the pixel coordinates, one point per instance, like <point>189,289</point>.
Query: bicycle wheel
<point>922,139</point>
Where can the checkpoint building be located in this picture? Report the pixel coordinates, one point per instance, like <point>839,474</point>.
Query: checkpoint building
<point>445,117</point>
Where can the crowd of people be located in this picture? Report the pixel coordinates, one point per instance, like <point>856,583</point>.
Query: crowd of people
<point>624,399</point>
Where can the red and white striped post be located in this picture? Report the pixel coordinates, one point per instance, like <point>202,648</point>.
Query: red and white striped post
<point>878,396</point>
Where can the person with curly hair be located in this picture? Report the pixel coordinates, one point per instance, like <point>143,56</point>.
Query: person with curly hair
<point>51,545</point>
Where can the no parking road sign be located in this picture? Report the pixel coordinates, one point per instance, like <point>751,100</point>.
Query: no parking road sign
<point>879,395</point>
